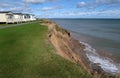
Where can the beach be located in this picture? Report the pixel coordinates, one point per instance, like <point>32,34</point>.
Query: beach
<point>108,62</point>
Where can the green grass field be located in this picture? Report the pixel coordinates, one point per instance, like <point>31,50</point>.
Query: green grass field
<point>6,24</point>
<point>25,52</point>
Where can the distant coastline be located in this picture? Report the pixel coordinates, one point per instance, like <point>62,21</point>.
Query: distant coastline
<point>87,18</point>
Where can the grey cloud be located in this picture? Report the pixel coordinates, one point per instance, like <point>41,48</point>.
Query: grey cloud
<point>24,8</point>
<point>39,1</point>
<point>5,5</point>
<point>81,4</point>
<point>80,14</point>
<point>94,4</point>
<point>90,5</point>
<point>19,3</point>
<point>51,8</point>
<point>91,13</point>
<point>52,0</point>
<point>107,1</point>
<point>34,1</point>
<point>17,9</point>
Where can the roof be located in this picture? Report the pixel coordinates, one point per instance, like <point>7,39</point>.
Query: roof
<point>5,11</point>
<point>31,14</point>
<point>18,13</point>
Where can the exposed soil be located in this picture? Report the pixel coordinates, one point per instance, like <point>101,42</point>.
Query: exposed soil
<point>71,49</point>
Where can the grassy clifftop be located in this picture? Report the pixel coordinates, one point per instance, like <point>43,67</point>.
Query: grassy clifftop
<point>25,52</point>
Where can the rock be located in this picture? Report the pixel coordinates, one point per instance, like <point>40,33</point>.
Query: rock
<point>96,69</point>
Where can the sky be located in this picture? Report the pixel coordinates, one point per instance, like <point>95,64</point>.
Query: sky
<point>64,8</point>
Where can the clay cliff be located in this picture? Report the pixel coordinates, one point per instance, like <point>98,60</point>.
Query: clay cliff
<point>65,45</point>
<point>71,49</point>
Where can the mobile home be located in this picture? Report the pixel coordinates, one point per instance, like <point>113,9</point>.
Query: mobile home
<point>10,17</point>
<point>6,17</point>
<point>18,17</point>
<point>32,17</point>
<point>26,17</point>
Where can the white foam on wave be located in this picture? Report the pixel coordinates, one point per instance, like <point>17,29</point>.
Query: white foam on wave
<point>105,63</point>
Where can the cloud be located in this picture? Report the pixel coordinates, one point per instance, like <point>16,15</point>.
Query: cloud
<point>34,1</point>
<point>90,5</point>
<point>39,1</point>
<point>19,3</point>
<point>79,14</point>
<point>17,9</point>
<point>17,6</point>
<point>97,3</point>
<point>107,1</point>
<point>5,5</point>
<point>24,8</point>
<point>81,4</point>
<point>51,8</point>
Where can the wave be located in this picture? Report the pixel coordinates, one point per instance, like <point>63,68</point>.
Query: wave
<point>105,63</point>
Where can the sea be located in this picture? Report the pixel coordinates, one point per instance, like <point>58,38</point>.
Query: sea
<point>101,38</point>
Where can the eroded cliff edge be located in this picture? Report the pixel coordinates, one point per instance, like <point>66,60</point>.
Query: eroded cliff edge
<point>71,49</point>
<point>65,45</point>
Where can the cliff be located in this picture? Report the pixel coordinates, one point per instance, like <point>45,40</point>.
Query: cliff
<point>65,45</point>
<point>71,49</point>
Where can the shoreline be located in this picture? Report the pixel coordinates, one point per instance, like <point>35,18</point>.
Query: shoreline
<point>104,55</point>
<point>72,49</point>
<point>90,40</point>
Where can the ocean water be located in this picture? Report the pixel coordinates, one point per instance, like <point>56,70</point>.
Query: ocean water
<point>97,34</point>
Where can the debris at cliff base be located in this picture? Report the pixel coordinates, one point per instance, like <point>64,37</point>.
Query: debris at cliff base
<point>71,49</point>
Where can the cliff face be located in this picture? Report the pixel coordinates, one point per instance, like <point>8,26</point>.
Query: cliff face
<point>61,39</point>
<point>71,49</point>
<point>66,47</point>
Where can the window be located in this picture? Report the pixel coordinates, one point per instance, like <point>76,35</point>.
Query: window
<point>10,16</point>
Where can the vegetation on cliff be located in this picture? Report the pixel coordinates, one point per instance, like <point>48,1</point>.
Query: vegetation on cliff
<point>72,50</point>
<point>25,52</point>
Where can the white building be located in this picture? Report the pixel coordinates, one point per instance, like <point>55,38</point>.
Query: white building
<point>32,17</point>
<point>10,17</point>
<point>18,17</point>
<point>26,17</point>
<point>6,17</point>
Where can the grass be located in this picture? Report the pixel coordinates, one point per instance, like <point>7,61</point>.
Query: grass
<point>25,52</point>
<point>10,24</point>
<point>6,24</point>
